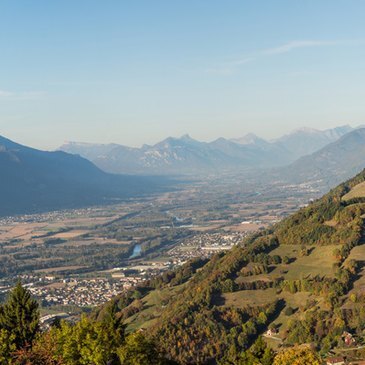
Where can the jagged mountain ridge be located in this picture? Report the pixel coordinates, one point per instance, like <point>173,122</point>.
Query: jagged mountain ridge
<point>176,156</point>
<point>188,156</point>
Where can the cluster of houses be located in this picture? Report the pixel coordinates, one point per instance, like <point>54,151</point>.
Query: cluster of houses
<point>204,245</point>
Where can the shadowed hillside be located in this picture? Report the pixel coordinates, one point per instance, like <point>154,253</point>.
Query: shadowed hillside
<point>33,181</point>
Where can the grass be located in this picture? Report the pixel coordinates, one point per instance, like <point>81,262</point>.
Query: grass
<point>292,251</point>
<point>153,307</point>
<point>357,253</point>
<point>244,298</point>
<point>357,191</point>
<point>253,278</point>
<point>318,262</point>
<point>291,300</point>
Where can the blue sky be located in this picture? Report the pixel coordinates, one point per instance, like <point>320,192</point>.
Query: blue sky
<point>135,72</point>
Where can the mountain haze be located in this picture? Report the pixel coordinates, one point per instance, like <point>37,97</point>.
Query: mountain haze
<point>188,156</point>
<point>176,156</point>
<point>305,141</point>
<point>333,163</point>
<point>34,180</point>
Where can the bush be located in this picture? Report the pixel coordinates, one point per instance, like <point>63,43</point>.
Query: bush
<point>289,311</point>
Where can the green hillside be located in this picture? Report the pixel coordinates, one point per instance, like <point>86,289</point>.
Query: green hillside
<point>303,277</point>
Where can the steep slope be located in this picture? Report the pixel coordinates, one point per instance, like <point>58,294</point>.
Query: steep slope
<point>34,180</point>
<point>304,278</point>
<point>332,164</point>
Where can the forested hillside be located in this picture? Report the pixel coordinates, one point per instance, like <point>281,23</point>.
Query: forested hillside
<point>303,278</point>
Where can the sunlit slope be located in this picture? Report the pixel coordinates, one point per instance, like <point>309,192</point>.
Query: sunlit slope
<point>304,277</point>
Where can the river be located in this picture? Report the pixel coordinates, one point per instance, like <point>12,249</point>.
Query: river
<point>136,251</point>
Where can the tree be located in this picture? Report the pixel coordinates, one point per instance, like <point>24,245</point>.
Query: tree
<point>137,350</point>
<point>286,260</point>
<point>19,316</point>
<point>289,311</point>
<point>263,353</point>
<point>297,356</point>
<point>262,318</point>
<point>87,342</point>
<point>7,346</point>
<point>258,354</point>
<point>43,352</point>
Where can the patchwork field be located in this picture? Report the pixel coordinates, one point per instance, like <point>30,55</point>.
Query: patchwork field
<point>70,234</point>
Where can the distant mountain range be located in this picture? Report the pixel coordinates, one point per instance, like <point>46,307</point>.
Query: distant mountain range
<point>333,163</point>
<point>34,181</point>
<point>188,156</point>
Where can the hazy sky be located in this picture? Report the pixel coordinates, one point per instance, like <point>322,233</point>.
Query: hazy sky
<point>136,71</point>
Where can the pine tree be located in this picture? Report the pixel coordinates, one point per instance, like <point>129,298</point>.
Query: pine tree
<point>19,316</point>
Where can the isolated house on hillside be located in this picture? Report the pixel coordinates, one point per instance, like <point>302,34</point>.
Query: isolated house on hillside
<point>272,332</point>
<point>348,339</point>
